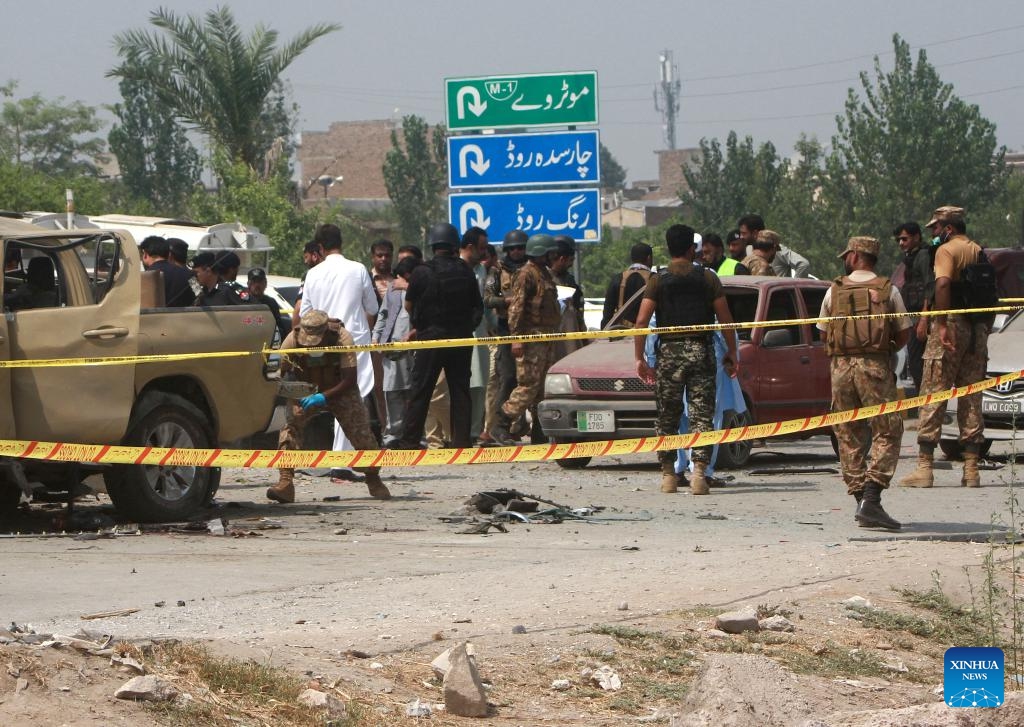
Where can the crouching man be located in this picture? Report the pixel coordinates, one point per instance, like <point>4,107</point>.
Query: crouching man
<point>334,375</point>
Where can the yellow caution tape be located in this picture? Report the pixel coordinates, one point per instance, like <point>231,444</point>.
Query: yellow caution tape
<point>298,458</point>
<point>485,341</point>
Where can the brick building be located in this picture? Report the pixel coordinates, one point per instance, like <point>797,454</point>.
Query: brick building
<point>353,150</point>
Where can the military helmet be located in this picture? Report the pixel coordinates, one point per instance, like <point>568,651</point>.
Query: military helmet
<point>514,238</point>
<point>540,245</point>
<point>443,234</point>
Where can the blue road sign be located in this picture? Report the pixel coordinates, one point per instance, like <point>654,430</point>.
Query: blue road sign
<point>520,160</point>
<point>572,212</point>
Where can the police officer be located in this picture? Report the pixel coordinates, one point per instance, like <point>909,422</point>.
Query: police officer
<point>215,290</point>
<point>532,308</point>
<point>443,301</point>
<point>334,375</point>
<point>861,355</point>
<point>955,354</point>
<point>685,294</point>
<point>502,375</point>
<point>625,285</point>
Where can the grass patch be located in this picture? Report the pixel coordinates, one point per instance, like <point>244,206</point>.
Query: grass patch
<point>835,660</point>
<point>229,692</point>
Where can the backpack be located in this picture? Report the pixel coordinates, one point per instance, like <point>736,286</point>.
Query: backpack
<point>862,336</point>
<point>977,288</point>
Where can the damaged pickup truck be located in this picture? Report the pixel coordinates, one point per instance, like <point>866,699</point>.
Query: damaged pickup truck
<point>83,293</point>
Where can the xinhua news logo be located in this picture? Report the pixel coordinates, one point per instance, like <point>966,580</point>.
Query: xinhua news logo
<point>974,677</point>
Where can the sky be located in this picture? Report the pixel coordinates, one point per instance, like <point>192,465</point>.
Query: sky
<point>771,70</point>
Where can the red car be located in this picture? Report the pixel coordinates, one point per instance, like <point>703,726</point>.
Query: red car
<point>595,393</point>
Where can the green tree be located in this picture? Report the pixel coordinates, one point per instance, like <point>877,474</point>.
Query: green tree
<point>416,176</point>
<point>723,186</point>
<point>613,174</point>
<point>214,76</point>
<point>49,136</point>
<point>158,163</point>
<point>907,144</point>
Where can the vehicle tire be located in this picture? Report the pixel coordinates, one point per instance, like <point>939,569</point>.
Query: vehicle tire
<point>10,496</point>
<point>152,493</point>
<point>954,451</point>
<point>734,454</point>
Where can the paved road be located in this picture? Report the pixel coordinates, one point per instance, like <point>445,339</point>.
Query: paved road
<point>399,573</point>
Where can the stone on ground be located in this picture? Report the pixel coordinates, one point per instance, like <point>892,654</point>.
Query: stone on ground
<point>464,694</point>
<point>147,689</point>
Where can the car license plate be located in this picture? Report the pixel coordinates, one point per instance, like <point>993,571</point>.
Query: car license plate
<point>1000,406</point>
<point>595,421</point>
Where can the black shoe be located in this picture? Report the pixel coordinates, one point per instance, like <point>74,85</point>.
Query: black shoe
<point>871,515</point>
<point>500,430</point>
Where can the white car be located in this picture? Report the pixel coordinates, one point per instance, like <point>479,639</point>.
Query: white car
<point>1002,408</point>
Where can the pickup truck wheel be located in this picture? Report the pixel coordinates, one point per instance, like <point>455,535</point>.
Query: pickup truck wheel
<point>153,493</point>
<point>734,454</point>
<point>10,496</point>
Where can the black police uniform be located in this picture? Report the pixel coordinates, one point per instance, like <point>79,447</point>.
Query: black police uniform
<point>224,294</point>
<point>446,303</point>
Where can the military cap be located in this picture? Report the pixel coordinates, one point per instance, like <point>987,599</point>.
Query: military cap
<point>768,238</point>
<point>867,245</point>
<point>946,214</point>
<point>312,327</point>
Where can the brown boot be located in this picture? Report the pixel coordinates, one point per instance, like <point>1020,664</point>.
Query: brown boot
<point>923,475</point>
<point>284,490</point>
<point>376,485</point>
<point>971,476</point>
<point>698,482</point>
<point>669,478</point>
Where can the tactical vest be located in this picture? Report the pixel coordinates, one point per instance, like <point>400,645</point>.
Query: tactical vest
<point>541,310</point>
<point>728,266</point>
<point>862,336</point>
<point>683,301</point>
<point>322,369</point>
<point>626,274</point>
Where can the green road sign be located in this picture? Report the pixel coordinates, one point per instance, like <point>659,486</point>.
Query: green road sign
<point>543,99</point>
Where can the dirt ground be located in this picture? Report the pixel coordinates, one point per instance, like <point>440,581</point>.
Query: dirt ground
<point>317,586</point>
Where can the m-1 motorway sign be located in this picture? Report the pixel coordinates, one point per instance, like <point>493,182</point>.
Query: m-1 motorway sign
<point>572,212</point>
<point>542,99</point>
<point>520,160</point>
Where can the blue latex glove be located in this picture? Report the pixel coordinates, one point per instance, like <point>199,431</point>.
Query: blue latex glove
<point>312,400</point>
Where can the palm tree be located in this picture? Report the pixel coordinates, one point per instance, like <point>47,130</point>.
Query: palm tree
<point>211,75</point>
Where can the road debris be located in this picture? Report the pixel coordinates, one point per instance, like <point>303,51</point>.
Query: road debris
<point>147,689</point>
<point>464,694</point>
<point>333,706</point>
<point>110,614</point>
<point>605,677</point>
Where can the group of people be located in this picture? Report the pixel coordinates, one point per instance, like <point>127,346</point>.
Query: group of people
<point>952,348</point>
<point>458,396</point>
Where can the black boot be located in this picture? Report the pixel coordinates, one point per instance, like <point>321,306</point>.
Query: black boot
<point>500,429</point>
<point>870,513</point>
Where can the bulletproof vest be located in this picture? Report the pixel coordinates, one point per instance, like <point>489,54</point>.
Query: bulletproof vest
<point>626,274</point>
<point>862,336</point>
<point>541,309</point>
<point>683,301</point>
<point>918,288</point>
<point>507,275</point>
<point>322,368</point>
<point>453,292</point>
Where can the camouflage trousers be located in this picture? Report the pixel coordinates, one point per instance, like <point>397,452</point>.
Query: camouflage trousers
<point>530,372</point>
<point>869,448</point>
<point>687,364</point>
<point>965,364</point>
<point>349,411</point>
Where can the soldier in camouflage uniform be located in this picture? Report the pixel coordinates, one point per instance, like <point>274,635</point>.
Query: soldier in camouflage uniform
<point>956,354</point>
<point>502,375</point>
<point>334,375</point>
<point>686,294</point>
<point>532,308</point>
<point>861,353</point>
<point>765,245</point>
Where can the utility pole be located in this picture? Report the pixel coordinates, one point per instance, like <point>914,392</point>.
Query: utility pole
<point>666,96</point>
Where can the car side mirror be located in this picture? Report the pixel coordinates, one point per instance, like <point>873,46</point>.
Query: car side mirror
<point>777,337</point>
